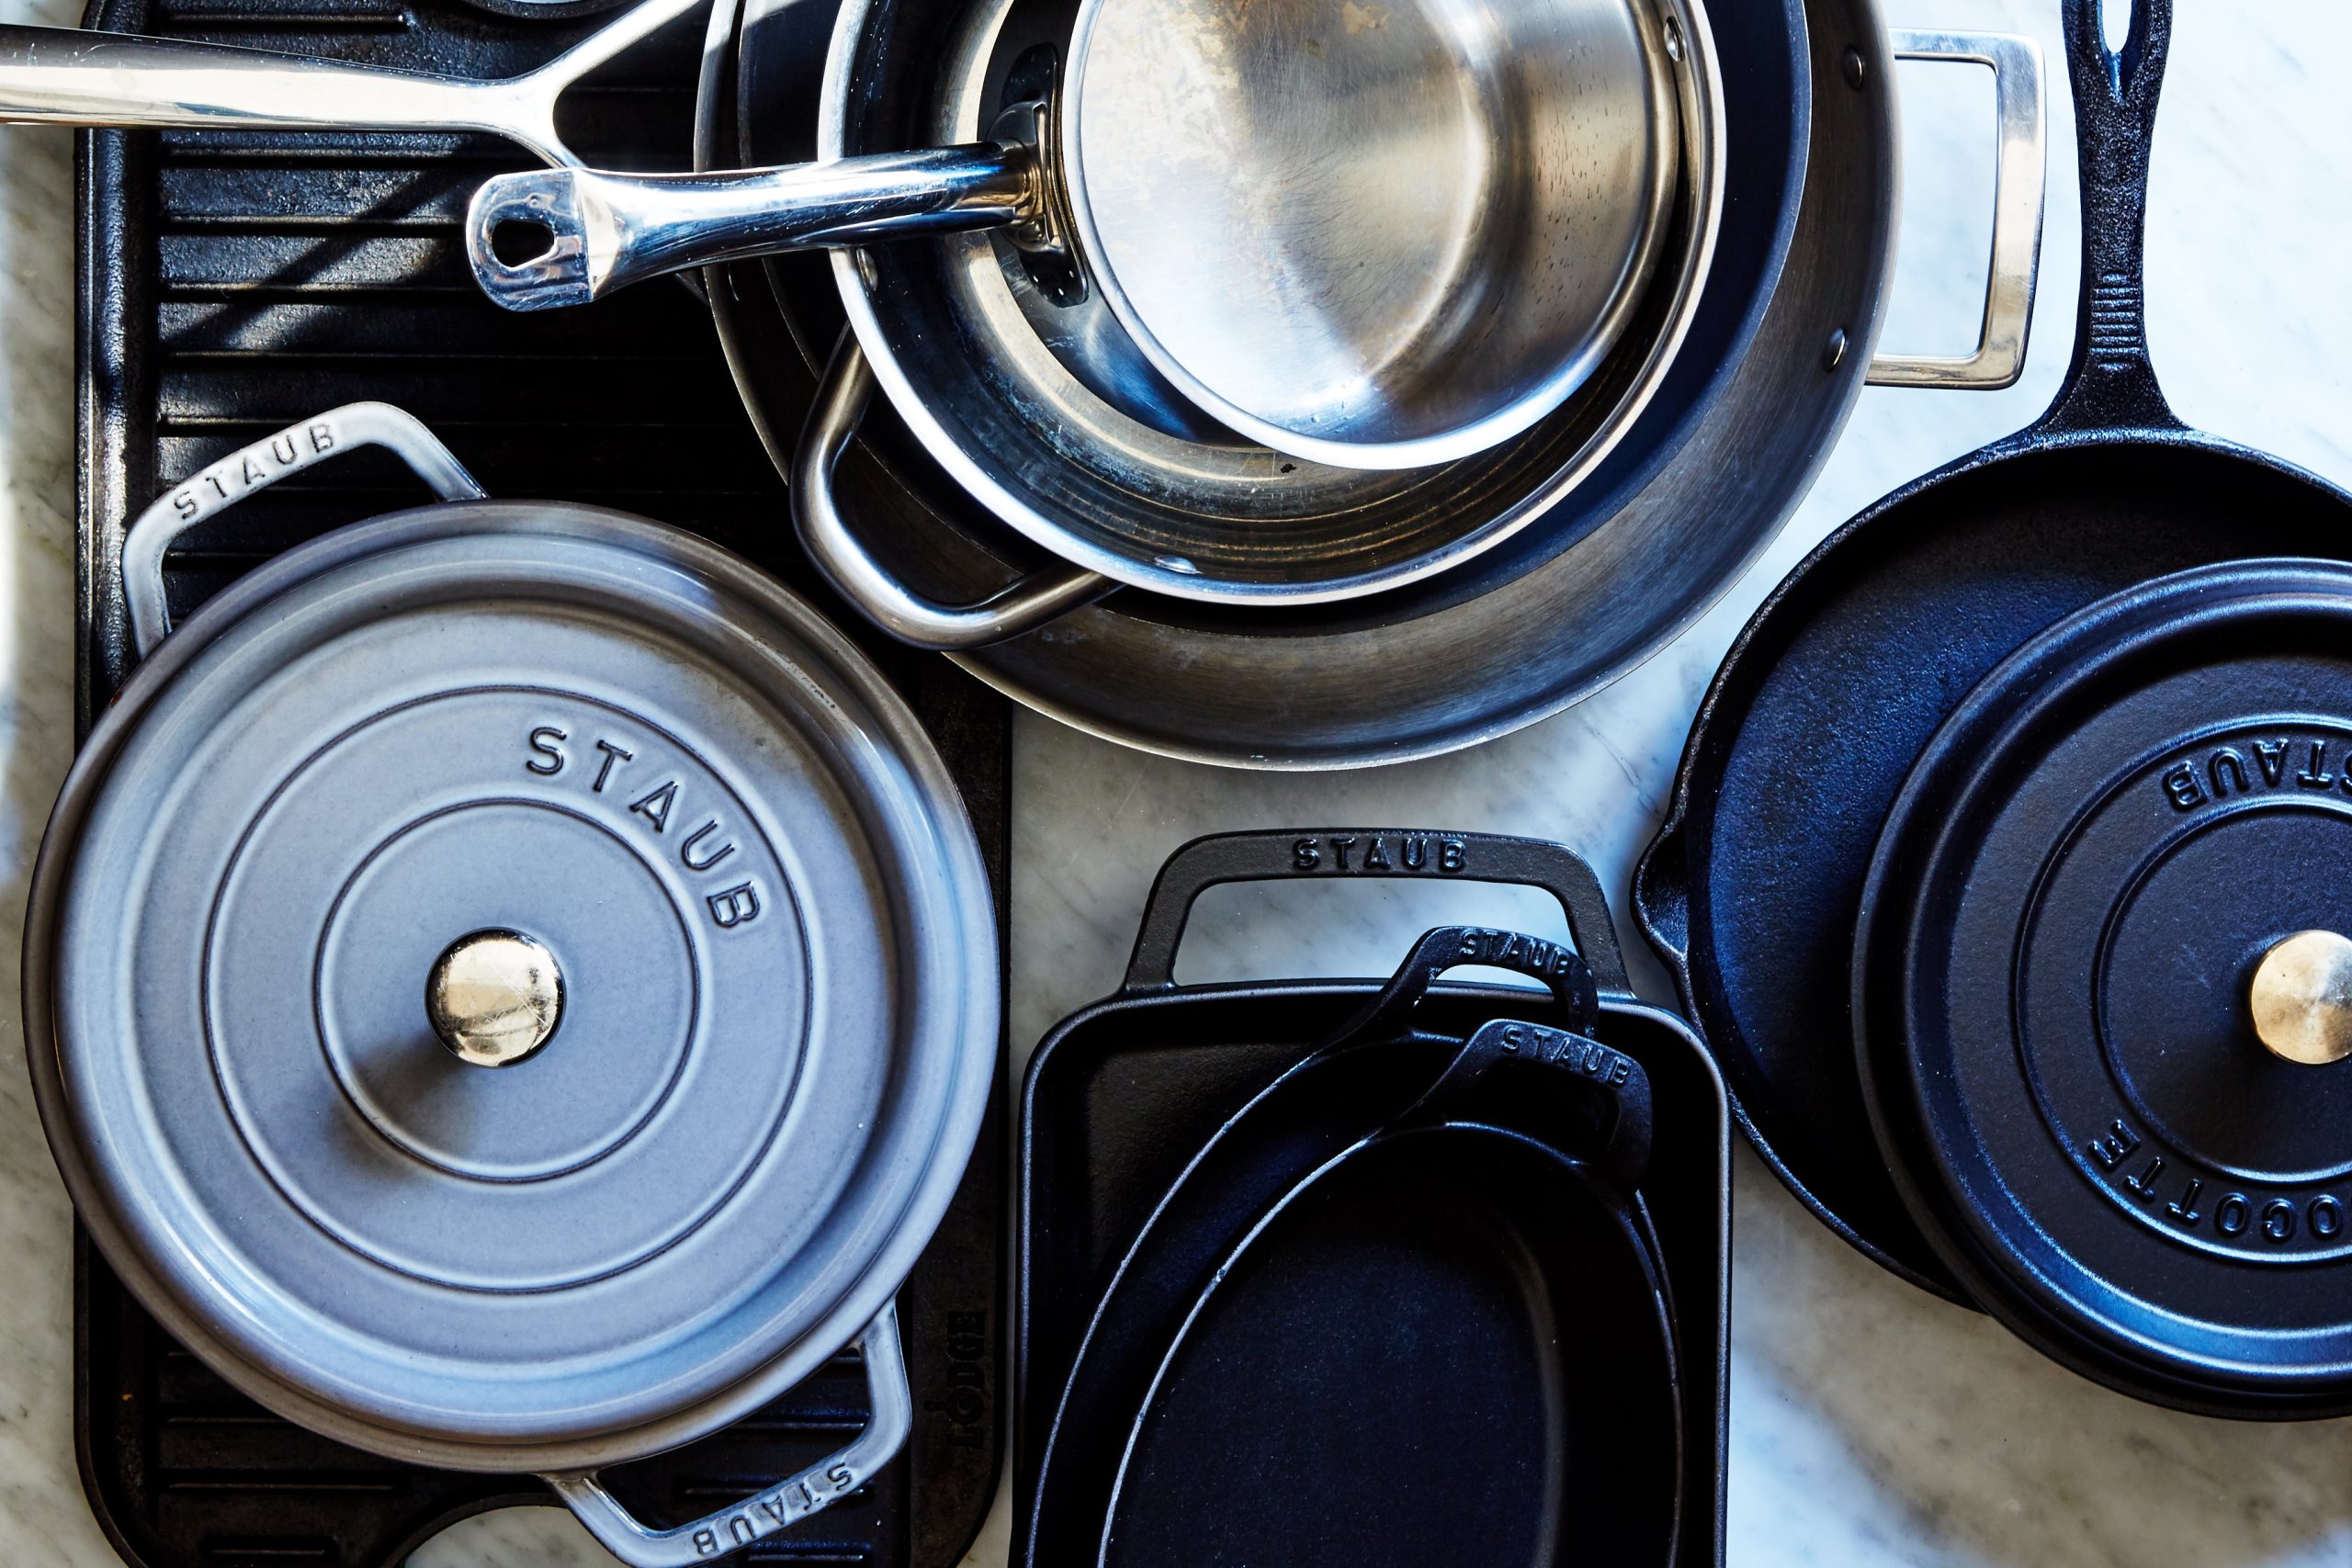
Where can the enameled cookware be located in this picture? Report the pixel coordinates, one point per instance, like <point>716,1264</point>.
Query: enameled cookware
<point>510,987</point>
<point>1752,888</point>
<point>1220,1182</point>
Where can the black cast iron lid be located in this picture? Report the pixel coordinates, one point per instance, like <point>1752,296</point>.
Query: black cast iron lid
<point>2102,1048</point>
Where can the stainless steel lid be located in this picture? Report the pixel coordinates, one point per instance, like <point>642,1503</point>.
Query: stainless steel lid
<point>511,985</point>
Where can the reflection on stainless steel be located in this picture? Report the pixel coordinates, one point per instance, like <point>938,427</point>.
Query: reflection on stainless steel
<point>1054,420</point>
<point>2018,174</point>
<point>494,997</point>
<point>64,76</point>
<point>1020,606</point>
<point>599,232</point>
<point>1384,235</point>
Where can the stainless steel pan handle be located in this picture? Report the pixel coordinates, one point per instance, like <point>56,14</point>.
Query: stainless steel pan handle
<point>595,233</point>
<point>891,1417</point>
<point>66,76</point>
<point>266,461</point>
<point>1020,606</point>
<point>2021,174</point>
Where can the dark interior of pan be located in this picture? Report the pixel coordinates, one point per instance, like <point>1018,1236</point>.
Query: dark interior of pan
<point>1416,1343</point>
<point>1751,889</point>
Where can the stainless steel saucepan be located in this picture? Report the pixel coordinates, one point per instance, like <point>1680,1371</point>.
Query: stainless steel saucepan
<point>1374,233</point>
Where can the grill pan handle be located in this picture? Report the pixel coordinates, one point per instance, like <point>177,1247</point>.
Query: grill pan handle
<point>68,76</point>
<point>788,1501</point>
<point>2111,384</point>
<point>2021,174</point>
<point>298,447</point>
<point>1290,854</point>
<point>1020,606</point>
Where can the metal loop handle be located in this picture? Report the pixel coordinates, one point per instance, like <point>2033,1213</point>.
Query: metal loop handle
<point>67,76</point>
<point>223,484</point>
<point>1286,854</point>
<point>2022,175</point>
<point>788,1501</point>
<point>1020,606</point>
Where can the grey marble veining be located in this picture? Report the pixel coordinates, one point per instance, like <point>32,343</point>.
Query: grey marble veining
<point>1870,1423</point>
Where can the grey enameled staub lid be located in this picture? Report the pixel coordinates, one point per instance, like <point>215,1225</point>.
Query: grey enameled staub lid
<point>511,985</point>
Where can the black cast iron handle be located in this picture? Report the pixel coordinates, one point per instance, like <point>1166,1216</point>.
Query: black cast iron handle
<point>1565,975</point>
<point>2111,384</point>
<point>1291,854</point>
<point>1488,1082</point>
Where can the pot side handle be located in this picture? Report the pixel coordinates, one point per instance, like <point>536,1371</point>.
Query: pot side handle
<point>1287,855</point>
<point>215,489</point>
<point>1020,606</point>
<point>2022,175</point>
<point>788,1501</point>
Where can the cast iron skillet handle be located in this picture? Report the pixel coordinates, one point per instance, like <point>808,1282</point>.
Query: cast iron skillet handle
<point>788,1501</point>
<point>603,232</point>
<point>1020,606</point>
<point>1564,973</point>
<point>2111,383</point>
<point>1611,1080</point>
<point>68,76</point>
<point>1284,854</point>
<point>257,467</point>
<point>2021,174</point>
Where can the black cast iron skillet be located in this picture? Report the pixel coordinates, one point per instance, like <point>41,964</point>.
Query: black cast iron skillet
<point>1751,889</point>
<point>1399,1213</point>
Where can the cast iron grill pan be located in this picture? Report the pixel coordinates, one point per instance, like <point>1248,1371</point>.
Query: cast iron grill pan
<point>232,284</point>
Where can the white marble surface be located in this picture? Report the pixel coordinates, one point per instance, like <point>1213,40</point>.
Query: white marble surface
<point>1870,1424</point>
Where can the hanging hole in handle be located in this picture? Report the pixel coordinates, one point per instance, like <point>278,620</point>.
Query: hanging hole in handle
<point>1326,927</point>
<point>2115,24</point>
<point>519,241</point>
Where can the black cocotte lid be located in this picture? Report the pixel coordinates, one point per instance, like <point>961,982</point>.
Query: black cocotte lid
<point>2103,998</point>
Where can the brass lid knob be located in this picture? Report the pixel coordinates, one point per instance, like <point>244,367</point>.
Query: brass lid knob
<point>2302,998</point>
<point>494,997</point>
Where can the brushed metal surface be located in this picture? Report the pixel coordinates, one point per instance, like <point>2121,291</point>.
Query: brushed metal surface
<point>1379,233</point>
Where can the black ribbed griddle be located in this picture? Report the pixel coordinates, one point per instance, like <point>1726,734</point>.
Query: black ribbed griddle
<point>232,284</point>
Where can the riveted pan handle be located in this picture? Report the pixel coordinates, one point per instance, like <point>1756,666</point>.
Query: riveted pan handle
<point>2112,385</point>
<point>2021,174</point>
<point>1020,606</point>
<point>223,484</point>
<point>1484,1083</point>
<point>891,1417</point>
<point>1296,854</point>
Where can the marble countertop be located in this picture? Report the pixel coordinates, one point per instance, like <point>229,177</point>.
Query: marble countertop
<point>1871,1423</point>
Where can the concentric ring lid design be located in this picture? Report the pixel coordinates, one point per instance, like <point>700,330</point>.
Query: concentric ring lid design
<point>514,986</point>
<point>2101,994</point>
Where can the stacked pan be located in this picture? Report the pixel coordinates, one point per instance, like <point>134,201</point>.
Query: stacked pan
<point>1295,385</point>
<point>2002,870</point>
<point>1281,604</point>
